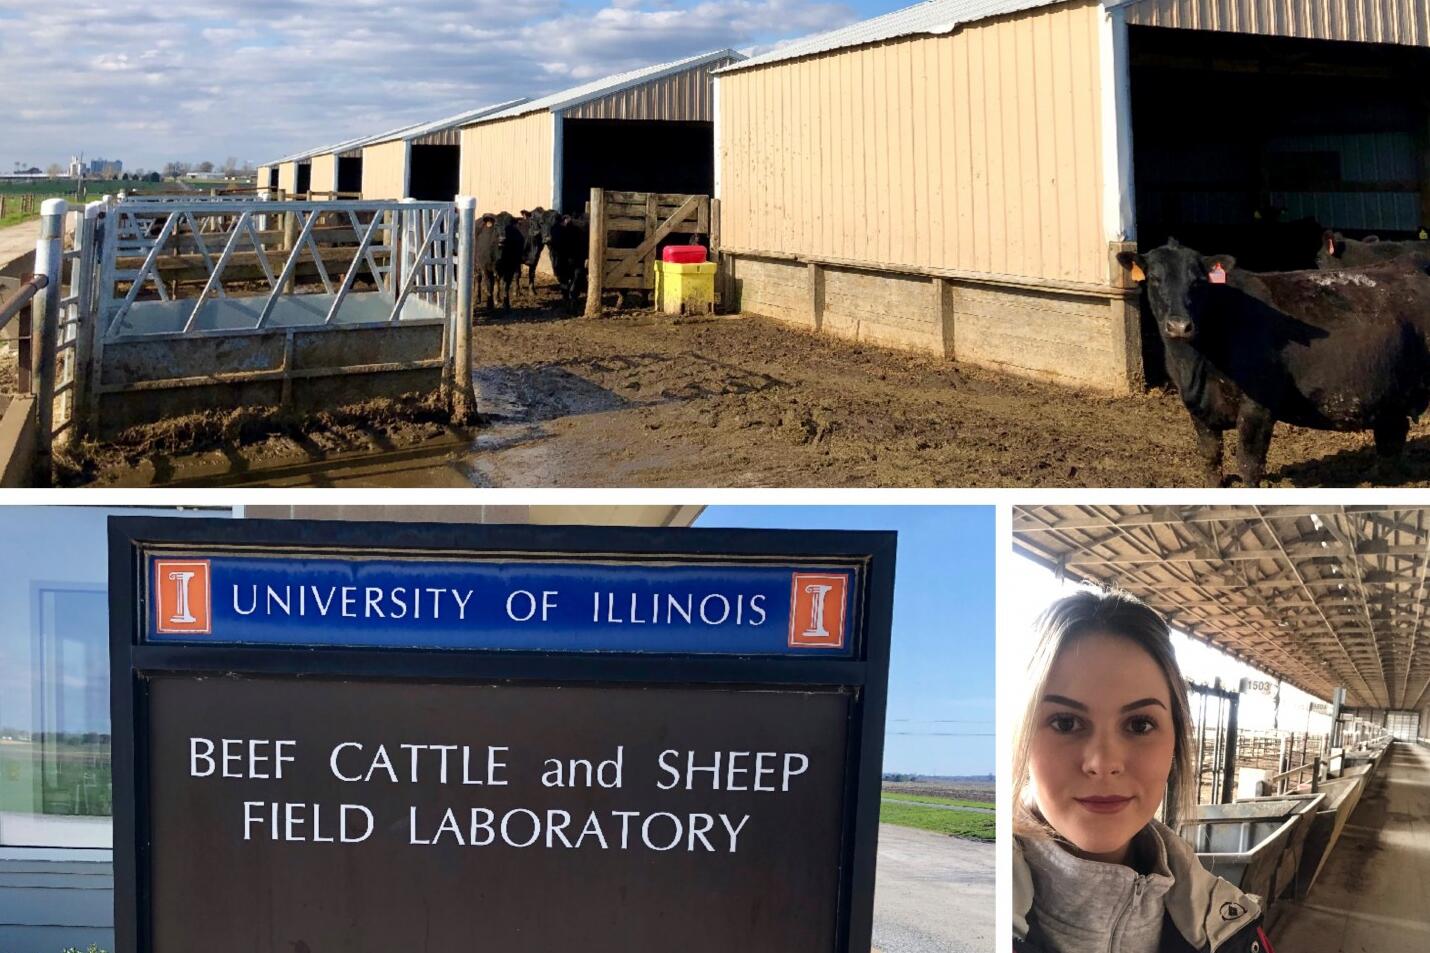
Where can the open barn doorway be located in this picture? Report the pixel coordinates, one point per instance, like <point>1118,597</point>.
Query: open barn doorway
<point>634,155</point>
<point>435,173</point>
<point>273,179</point>
<point>304,183</point>
<point>350,174</point>
<point>1252,146</point>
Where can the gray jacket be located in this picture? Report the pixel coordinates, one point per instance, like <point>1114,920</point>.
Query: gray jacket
<point>1202,913</point>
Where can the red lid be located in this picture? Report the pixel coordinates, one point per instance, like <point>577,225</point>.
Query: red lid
<point>684,254</point>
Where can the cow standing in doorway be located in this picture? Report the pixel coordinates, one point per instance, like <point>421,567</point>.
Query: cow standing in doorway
<point>1339,351</point>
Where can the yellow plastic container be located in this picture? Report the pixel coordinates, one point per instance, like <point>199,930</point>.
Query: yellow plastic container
<point>685,289</point>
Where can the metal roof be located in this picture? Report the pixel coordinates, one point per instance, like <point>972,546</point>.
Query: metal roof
<point>596,89</point>
<point>1320,596</point>
<point>460,119</point>
<point>931,17</point>
<point>409,131</point>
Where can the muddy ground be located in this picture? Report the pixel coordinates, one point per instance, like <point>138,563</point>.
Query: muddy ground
<point>640,399</point>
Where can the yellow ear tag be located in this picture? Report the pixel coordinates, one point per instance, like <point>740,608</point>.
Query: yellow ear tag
<point>1424,235</point>
<point>1137,273</point>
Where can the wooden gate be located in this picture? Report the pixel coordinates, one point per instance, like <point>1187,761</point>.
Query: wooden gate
<point>627,229</point>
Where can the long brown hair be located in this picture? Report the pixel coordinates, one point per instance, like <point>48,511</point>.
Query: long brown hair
<point>1107,613</point>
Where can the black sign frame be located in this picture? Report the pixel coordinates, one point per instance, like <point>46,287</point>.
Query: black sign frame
<point>865,674</point>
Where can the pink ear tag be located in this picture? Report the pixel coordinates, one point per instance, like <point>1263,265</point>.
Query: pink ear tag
<point>1218,275</point>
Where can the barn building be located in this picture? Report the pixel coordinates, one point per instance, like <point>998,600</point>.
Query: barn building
<point>295,174</point>
<point>419,162</point>
<point>957,176</point>
<point>649,130</point>
<point>338,170</point>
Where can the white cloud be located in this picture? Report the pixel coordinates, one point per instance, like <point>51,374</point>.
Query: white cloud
<point>261,78</point>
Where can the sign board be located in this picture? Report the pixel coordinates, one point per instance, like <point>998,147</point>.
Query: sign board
<point>1258,686</point>
<point>360,736</point>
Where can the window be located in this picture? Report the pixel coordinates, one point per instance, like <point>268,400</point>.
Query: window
<point>55,788</point>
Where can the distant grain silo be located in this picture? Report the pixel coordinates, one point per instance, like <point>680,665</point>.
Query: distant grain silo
<point>957,176</point>
<point>421,161</point>
<point>649,130</point>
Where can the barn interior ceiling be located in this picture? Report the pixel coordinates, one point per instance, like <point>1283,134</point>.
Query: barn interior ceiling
<point>1319,596</point>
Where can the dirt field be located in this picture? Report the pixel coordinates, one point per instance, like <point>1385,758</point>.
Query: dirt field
<point>962,790</point>
<point>638,399</point>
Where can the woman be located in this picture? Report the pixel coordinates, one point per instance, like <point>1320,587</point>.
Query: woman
<point>1103,744</point>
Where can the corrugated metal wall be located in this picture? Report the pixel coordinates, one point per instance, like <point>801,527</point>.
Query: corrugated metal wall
<point>1404,22</point>
<point>383,171</point>
<point>507,164</point>
<point>451,136</point>
<point>262,176</point>
<point>49,905</point>
<point>684,96</point>
<point>979,151</point>
<point>324,174</point>
<point>288,177</point>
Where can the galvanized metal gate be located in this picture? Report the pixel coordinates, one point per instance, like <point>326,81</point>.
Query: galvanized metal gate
<point>1214,715</point>
<point>357,267</point>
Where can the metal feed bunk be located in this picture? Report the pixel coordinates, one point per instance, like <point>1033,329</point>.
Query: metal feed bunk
<point>167,304</point>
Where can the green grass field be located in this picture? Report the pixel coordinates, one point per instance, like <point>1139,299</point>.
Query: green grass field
<point>969,824</point>
<point>64,189</point>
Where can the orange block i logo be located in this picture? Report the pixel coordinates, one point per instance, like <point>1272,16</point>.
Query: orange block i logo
<point>181,597</point>
<point>817,610</point>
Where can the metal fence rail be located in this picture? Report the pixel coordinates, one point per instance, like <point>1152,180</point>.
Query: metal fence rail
<point>21,296</point>
<point>143,270</point>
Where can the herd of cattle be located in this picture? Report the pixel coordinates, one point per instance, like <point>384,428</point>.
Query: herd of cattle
<point>506,242</point>
<point>1344,346</point>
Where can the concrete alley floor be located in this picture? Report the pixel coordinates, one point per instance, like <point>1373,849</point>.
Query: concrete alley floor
<point>1374,892</point>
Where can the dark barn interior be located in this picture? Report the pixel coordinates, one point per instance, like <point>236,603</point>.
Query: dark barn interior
<point>1251,146</point>
<point>634,155</point>
<point>304,178</point>
<point>273,179</point>
<point>434,173</point>
<point>350,174</point>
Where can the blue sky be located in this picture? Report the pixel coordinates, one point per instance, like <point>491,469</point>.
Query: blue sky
<point>256,79</point>
<point>941,691</point>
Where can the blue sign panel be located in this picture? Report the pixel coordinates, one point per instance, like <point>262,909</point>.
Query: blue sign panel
<point>514,605</point>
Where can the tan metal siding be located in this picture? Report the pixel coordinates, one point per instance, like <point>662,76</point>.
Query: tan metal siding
<point>451,136</point>
<point>683,96</point>
<point>507,164</point>
<point>262,180</point>
<point>288,177</point>
<point>977,152</point>
<point>1404,22</point>
<point>383,171</point>
<point>324,177</point>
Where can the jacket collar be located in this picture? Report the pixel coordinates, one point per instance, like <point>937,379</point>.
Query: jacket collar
<point>1206,910</point>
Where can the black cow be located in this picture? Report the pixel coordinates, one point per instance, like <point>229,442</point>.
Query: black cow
<point>498,257</point>
<point>568,242</point>
<point>1337,251</point>
<point>530,227</point>
<point>1326,350</point>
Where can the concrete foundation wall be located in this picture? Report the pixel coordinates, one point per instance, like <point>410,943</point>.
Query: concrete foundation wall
<point>203,360</point>
<point>1079,339</point>
<point>18,439</point>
